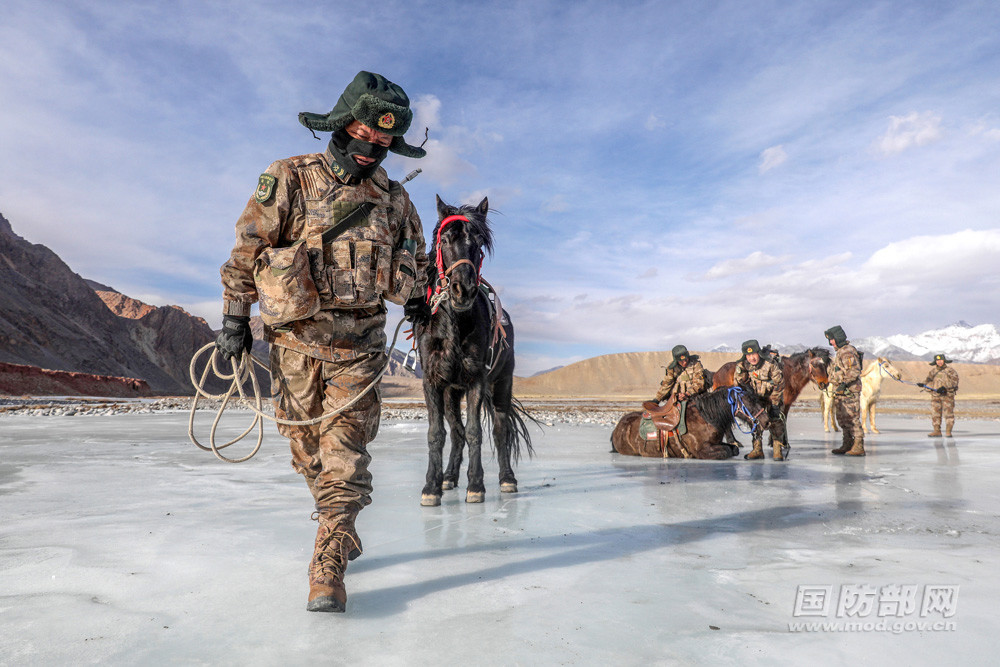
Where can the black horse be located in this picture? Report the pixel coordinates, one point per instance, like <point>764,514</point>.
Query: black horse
<point>467,351</point>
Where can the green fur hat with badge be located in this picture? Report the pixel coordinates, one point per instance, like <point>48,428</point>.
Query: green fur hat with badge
<point>376,102</point>
<point>942,357</point>
<point>680,352</point>
<point>749,347</point>
<point>837,334</point>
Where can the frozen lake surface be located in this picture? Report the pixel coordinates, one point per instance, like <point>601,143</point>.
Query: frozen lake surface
<point>120,543</point>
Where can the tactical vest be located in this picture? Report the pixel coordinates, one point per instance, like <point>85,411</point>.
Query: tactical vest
<point>356,269</point>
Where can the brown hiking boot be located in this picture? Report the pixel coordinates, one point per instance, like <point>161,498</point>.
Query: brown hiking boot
<point>335,541</point>
<point>857,450</point>
<point>843,449</point>
<point>756,453</point>
<point>936,433</point>
<point>947,431</point>
<point>780,451</point>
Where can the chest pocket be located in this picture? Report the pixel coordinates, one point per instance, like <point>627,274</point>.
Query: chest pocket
<point>358,266</point>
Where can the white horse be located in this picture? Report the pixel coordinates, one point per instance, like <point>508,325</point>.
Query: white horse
<point>871,388</point>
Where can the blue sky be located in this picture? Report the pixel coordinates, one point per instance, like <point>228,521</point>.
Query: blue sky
<point>662,172</point>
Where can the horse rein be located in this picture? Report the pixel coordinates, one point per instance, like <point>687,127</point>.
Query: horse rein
<point>735,398</point>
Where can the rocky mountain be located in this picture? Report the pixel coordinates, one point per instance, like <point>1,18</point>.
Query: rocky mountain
<point>51,318</point>
<point>961,342</point>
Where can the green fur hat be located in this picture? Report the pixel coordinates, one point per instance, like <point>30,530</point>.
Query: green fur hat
<point>750,347</point>
<point>679,351</point>
<point>837,334</point>
<point>942,357</point>
<point>375,101</point>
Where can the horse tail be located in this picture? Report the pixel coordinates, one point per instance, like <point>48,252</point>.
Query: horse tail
<point>518,435</point>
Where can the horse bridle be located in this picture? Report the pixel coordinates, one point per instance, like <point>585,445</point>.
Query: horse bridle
<point>440,291</point>
<point>735,398</point>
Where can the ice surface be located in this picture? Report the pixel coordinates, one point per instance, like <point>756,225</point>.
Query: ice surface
<point>121,543</point>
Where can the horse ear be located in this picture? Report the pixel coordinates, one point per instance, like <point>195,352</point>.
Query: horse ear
<point>484,206</point>
<point>442,208</point>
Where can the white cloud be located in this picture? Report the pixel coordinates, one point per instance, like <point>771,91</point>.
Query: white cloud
<point>915,129</point>
<point>771,158</point>
<point>752,262</point>
<point>653,122</point>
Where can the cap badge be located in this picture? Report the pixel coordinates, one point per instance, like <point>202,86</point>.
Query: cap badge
<point>387,121</point>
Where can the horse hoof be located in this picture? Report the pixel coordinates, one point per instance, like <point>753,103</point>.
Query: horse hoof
<point>474,496</point>
<point>427,500</point>
<point>447,485</point>
<point>508,487</point>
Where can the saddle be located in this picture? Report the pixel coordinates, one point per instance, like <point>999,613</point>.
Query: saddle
<point>666,417</point>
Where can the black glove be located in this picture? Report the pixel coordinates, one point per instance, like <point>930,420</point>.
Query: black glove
<point>417,311</point>
<point>235,337</point>
<point>941,390</point>
<point>842,388</point>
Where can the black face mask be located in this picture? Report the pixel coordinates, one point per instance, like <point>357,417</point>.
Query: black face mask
<point>344,147</point>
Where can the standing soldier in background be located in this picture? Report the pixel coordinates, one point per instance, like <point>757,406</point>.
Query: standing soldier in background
<point>324,241</point>
<point>942,381</point>
<point>845,377</point>
<point>765,378</point>
<point>685,376</point>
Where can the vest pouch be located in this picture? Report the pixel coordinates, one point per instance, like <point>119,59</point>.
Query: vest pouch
<point>402,277</point>
<point>341,272</point>
<point>285,286</point>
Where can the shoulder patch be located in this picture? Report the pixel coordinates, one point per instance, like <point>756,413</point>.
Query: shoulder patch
<point>265,188</point>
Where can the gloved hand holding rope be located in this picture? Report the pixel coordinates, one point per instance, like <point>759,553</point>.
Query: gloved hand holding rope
<point>233,344</point>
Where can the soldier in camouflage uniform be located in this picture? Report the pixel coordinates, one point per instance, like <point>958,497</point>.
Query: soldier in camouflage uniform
<point>845,377</point>
<point>685,376</point>
<point>942,381</point>
<point>323,242</point>
<point>764,376</point>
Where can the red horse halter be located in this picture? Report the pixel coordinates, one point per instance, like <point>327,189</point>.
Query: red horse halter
<point>435,297</point>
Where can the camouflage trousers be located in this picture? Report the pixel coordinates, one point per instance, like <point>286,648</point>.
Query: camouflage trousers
<point>775,401</point>
<point>942,405</point>
<point>848,410</point>
<point>332,455</point>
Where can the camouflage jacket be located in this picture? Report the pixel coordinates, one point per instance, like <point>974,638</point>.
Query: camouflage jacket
<point>688,380</point>
<point>766,378</point>
<point>943,377</point>
<point>279,234</point>
<point>846,368</point>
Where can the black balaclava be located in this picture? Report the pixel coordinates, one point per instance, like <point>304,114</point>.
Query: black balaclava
<point>344,147</point>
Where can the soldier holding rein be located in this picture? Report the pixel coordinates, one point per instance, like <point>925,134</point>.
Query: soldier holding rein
<point>324,241</point>
<point>845,377</point>
<point>685,376</point>
<point>765,378</point>
<point>942,381</point>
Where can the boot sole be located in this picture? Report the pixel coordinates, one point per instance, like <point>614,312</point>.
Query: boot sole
<point>327,604</point>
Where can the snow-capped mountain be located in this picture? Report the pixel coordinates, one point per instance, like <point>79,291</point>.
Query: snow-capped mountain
<point>961,342</point>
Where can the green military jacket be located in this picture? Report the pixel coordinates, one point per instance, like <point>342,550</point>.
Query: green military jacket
<point>348,277</point>
<point>846,368</point>
<point>688,380</point>
<point>766,378</point>
<point>944,376</point>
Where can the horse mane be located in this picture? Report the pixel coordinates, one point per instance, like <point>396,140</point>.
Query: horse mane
<point>714,407</point>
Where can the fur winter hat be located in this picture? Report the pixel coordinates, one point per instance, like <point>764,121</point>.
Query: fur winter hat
<point>837,334</point>
<point>942,357</point>
<point>750,347</point>
<point>679,351</point>
<point>375,101</point>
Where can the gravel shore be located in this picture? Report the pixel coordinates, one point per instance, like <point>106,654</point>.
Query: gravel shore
<point>546,411</point>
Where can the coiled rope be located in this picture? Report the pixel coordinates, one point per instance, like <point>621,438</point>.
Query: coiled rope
<point>240,370</point>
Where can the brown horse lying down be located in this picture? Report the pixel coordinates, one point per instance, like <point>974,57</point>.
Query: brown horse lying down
<point>708,418</point>
<point>798,370</point>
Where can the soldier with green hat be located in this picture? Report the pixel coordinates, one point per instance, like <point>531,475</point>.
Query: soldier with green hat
<point>942,382</point>
<point>845,378</point>
<point>325,240</point>
<point>764,376</point>
<point>685,376</point>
